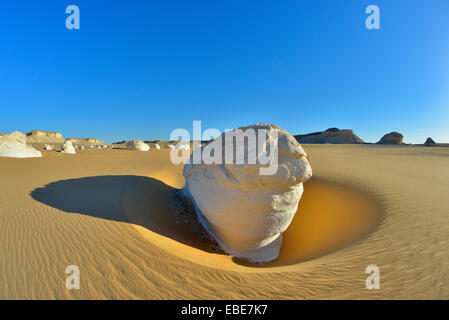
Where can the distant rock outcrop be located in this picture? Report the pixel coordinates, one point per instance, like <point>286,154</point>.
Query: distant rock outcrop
<point>332,135</point>
<point>392,138</point>
<point>39,136</point>
<point>429,142</point>
<point>86,140</point>
<point>14,146</point>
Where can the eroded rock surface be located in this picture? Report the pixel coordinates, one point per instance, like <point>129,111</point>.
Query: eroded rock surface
<point>14,146</point>
<point>243,210</point>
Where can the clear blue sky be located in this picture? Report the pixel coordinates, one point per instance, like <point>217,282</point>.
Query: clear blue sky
<point>139,69</point>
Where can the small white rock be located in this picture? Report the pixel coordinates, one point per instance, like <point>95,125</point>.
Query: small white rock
<point>137,145</point>
<point>67,147</point>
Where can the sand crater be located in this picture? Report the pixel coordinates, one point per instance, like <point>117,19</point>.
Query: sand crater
<point>330,217</point>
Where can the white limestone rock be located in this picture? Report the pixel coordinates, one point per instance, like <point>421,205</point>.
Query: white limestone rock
<point>244,211</point>
<point>182,146</point>
<point>14,146</point>
<point>137,145</point>
<point>67,147</point>
<point>155,146</point>
<point>48,147</point>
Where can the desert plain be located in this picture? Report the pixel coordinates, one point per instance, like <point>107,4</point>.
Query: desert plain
<point>116,215</point>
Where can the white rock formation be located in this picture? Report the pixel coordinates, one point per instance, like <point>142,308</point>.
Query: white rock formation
<point>137,145</point>
<point>244,211</point>
<point>67,147</point>
<point>48,147</point>
<point>14,146</point>
<point>155,146</point>
<point>182,146</point>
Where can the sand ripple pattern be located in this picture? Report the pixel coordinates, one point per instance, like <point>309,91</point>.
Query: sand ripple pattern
<point>38,240</point>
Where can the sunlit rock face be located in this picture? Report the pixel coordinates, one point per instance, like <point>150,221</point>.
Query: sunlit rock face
<point>39,136</point>
<point>392,138</point>
<point>155,146</point>
<point>67,147</point>
<point>137,145</point>
<point>14,146</point>
<point>243,210</point>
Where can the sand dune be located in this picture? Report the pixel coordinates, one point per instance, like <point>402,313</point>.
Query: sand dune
<point>116,214</point>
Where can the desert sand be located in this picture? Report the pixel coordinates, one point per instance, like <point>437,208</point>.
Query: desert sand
<point>117,214</point>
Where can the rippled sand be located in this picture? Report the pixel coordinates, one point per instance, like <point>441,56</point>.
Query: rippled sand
<point>118,216</point>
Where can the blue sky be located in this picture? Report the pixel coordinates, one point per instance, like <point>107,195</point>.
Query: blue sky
<point>139,69</point>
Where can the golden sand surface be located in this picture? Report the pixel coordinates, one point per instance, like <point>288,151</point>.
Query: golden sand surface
<point>116,215</point>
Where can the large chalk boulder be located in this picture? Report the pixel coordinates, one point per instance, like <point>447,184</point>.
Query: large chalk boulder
<point>137,145</point>
<point>67,147</point>
<point>154,146</point>
<point>245,211</point>
<point>14,146</point>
